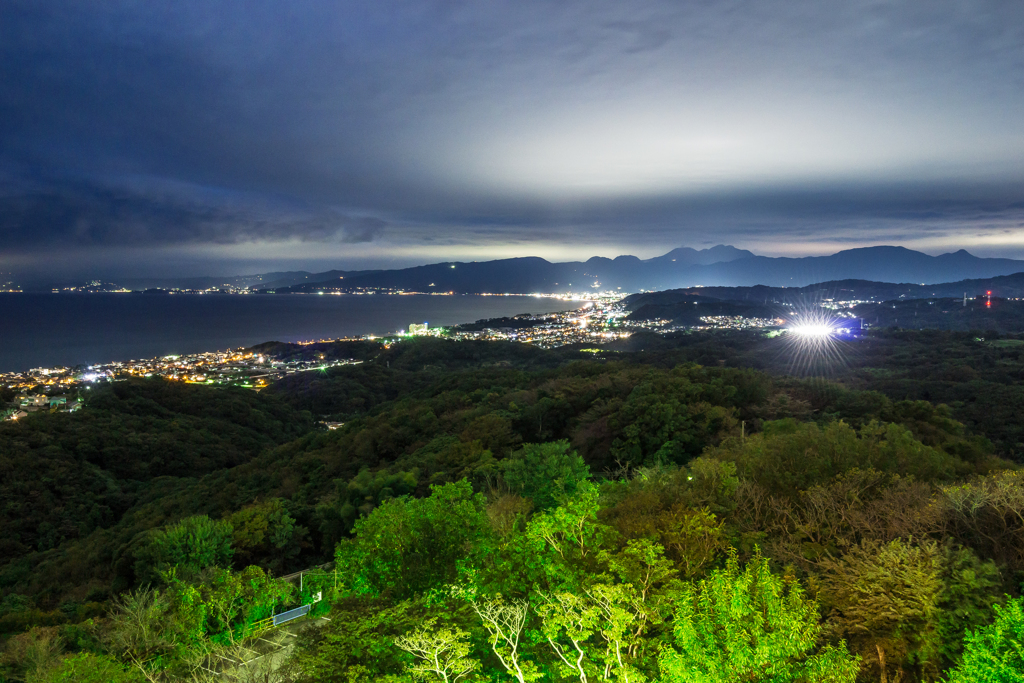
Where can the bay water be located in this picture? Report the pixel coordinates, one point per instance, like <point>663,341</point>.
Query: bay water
<point>50,330</point>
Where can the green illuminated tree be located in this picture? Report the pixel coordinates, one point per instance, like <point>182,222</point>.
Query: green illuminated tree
<point>546,473</point>
<point>568,540</point>
<point>86,667</point>
<point>193,544</point>
<point>442,653</point>
<point>505,621</point>
<point>995,653</point>
<point>571,530</point>
<point>230,602</point>
<point>750,625</point>
<point>265,530</point>
<point>569,622</point>
<point>407,546</point>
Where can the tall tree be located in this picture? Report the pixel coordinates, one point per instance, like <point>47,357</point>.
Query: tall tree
<point>193,544</point>
<point>505,620</point>
<point>750,625</point>
<point>407,546</point>
<point>546,473</point>
<point>995,653</point>
<point>441,653</point>
<point>885,597</point>
<point>570,537</point>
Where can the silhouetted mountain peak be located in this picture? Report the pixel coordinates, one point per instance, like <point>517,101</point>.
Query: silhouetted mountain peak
<point>720,265</point>
<point>959,255</point>
<point>726,252</point>
<point>520,260</point>
<point>876,250</point>
<point>688,256</point>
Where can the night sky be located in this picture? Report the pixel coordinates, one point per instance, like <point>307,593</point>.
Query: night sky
<point>210,136</point>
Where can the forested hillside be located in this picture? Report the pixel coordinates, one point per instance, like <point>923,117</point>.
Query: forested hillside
<point>498,512</point>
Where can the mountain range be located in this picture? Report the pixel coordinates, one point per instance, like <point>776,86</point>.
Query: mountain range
<point>719,266</point>
<point>715,267</point>
<point>1003,286</point>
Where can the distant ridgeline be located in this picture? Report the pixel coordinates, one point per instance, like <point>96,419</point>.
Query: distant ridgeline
<point>1004,286</point>
<point>719,266</point>
<point>685,267</point>
<point>995,303</point>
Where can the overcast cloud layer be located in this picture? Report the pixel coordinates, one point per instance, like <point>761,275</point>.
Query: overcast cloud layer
<point>232,135</point>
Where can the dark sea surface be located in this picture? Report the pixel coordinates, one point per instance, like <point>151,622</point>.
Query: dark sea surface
<point>49,330</point>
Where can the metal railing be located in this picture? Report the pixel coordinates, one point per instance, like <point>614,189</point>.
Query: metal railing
<point>291,614</point>
<point>262,626</point>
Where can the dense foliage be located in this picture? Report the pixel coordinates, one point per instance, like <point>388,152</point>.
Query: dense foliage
<point>498,512</point>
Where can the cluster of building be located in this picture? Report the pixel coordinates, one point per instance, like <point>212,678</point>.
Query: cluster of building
<point>100,287</point>
<point>222,289</point>
<point>26,404</point>
<point>59,389</point>
<point>397,291</point>
<point>736,322</point>
<point>601,320</point>
<point>93,286</point>
<point>661,325</point>
<point>338,291</point>
<point>842,304</point>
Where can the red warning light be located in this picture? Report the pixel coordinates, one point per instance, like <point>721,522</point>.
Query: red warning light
<point>989,293</point>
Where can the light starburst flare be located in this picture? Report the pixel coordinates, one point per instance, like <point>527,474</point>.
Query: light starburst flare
<point>815,344</point>
<point>813,330</point>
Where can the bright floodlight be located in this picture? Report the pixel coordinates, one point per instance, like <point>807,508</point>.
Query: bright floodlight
<point>813,330</point>
<point>813,344</point>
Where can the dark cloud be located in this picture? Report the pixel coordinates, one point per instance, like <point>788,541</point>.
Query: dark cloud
<point>511,125</point>
<point>366,229</point>
<point>70,213</point>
